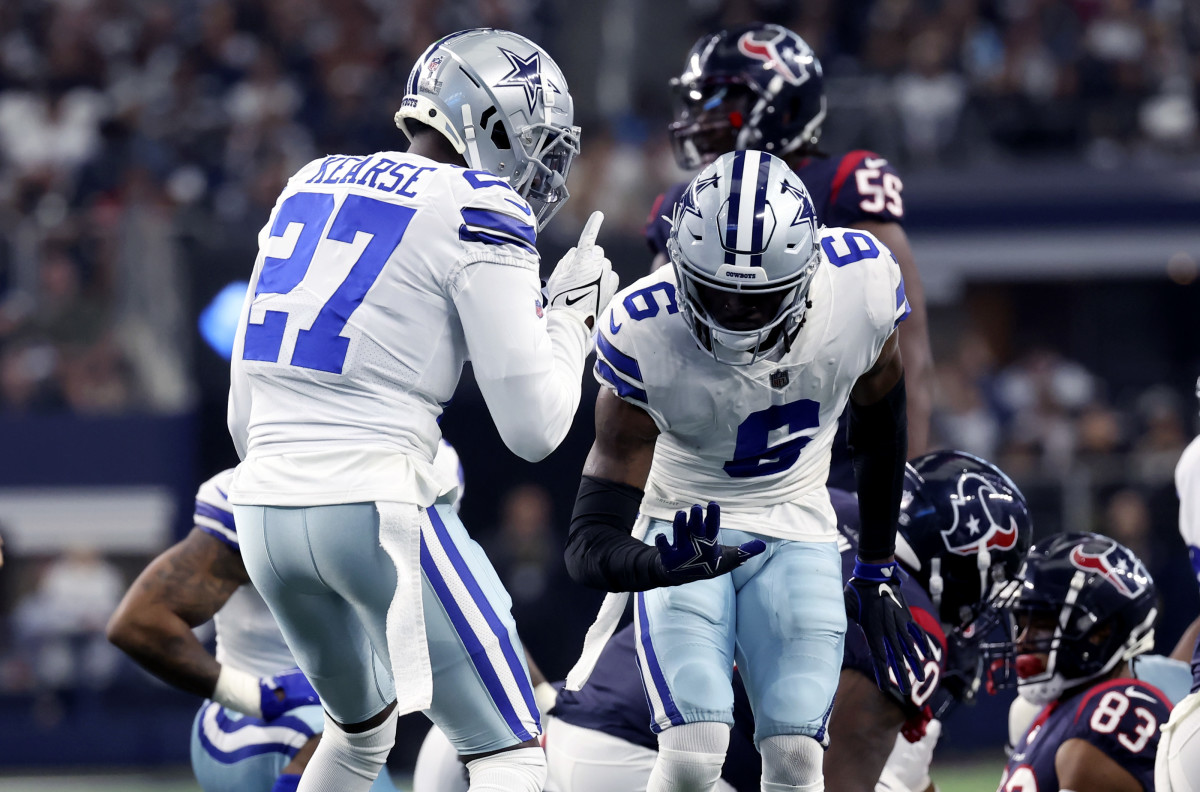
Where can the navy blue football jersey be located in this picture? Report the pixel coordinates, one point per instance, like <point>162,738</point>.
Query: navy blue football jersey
<point>1121,717</point>
<point>613,701</point>
<point>854,188</point>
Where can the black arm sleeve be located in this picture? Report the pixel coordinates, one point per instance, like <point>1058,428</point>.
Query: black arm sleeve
<point>600,552</point>
<point>879,444</point>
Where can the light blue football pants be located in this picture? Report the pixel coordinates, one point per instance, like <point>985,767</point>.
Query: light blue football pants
<point>232,752</point>
<point>329,584</point>
<point>780,615</point>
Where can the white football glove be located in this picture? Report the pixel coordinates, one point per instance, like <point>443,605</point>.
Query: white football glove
<point>583,280</point>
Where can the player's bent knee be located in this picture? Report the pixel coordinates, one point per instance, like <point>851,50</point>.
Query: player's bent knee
<point>791,763</point>
<point>689,757</point>
<point>360,754</point>
<point>518,770</point>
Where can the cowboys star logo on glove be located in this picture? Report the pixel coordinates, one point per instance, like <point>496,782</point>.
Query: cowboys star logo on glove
<point>695,554</point>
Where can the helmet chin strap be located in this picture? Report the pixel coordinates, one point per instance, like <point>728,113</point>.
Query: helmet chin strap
<point>936,584</point>
<point>469,135</point>
<point>983,562</point>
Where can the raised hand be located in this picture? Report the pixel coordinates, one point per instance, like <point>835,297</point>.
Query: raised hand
<point>695,553</point>
<point>583,280</point>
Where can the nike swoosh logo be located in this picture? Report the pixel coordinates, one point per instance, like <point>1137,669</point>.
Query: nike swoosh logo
<point>612,324</point>
<point>1133,692</point>
<point>886,590</point>
<point>872,162</point>
<point>569,301</point>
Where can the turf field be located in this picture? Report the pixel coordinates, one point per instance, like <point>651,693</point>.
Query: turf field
<point>976,777</point>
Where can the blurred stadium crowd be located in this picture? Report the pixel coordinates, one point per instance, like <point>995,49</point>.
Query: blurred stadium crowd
<point>129,129</point>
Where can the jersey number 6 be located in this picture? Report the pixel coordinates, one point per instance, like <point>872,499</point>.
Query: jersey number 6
<point>321,346</point>
<point>770,440</point>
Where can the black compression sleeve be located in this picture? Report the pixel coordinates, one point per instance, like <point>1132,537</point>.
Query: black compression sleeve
<point>600,552</point>
<point>879,443</point>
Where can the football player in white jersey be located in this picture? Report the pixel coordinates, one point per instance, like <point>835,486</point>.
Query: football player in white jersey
<point>724,376</point>
<point>1177,766</point>
<point>377,278</point>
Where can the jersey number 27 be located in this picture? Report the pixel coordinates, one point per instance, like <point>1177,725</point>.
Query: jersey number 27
<point>322,346</point>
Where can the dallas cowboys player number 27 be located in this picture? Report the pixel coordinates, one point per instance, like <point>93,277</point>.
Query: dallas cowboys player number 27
<point>352,339</point>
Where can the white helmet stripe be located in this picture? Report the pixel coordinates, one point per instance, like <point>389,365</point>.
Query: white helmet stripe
<point>745,208</point>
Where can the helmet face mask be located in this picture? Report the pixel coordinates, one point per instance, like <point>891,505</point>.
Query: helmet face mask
<point>503,104</point>
<point>965,528</point>
<point>743,245</point>
<point>1082,605</point>
<point>756,86</point>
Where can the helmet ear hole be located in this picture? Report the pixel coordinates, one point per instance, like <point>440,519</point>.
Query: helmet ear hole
<point>500,137</point>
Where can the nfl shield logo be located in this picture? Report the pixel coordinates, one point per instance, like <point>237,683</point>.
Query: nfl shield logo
<point>779,379</point>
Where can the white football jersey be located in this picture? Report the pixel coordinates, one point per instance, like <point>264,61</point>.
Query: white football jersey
<point>248,638</point>
<point>1187,484</point>
<point>350,342</point>
<point>756,439</point>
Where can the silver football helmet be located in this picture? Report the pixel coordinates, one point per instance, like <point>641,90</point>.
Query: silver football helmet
<point>503,104</point>
<point>744,247</point>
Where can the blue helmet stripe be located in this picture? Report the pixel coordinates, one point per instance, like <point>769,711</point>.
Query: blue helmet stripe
<point>760,209</point>
<point>735,200</point>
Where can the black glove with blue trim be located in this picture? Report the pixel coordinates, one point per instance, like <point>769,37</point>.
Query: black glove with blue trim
<point>695,554</point>
<point>874,601</point>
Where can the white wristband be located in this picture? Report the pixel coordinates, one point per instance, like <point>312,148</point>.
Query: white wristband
<point>238,690</point>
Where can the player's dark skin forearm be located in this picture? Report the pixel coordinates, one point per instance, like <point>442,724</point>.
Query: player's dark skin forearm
<point>862,733</point>
<point>179,590</point>
<point>914,336</point>
<point>1187,642</point>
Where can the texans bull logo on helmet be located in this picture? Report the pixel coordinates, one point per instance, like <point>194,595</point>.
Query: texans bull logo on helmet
<point>1116,565</point>
<point>974,526</point>
<point>765,50</point>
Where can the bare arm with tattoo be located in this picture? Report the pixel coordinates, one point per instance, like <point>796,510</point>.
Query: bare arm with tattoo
<point>180,589</point>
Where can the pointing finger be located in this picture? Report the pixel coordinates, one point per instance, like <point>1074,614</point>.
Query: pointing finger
<point>591,230</point>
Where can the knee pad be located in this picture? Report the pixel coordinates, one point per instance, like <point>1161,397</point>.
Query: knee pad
<point>689,758</point>
<point>792,763</point>
<point>346,761</point>
<point>518,770</point>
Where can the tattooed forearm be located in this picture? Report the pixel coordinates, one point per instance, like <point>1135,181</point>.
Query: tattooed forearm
<point>180,589</point>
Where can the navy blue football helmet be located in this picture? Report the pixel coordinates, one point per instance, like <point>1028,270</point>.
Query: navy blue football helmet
<point>751,87</point>
<point>966,528</point>
<point>1097,604</point>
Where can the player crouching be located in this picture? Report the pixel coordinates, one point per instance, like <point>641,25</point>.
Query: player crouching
<point>1081,608</point>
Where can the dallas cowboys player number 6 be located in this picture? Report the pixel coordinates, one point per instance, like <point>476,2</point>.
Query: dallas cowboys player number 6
<point>723,379</point>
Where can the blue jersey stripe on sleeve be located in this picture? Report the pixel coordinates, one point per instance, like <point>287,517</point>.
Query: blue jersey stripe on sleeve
<point>212,512</point>
<point>618,359</point>
<point>903,309</point>
<point>499,223</point>
<point>490,238</point>
<point>624,389</point>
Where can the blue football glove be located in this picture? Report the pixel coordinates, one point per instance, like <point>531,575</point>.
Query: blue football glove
<point>284,692</point>
<point>873,599</point>
<point>695,554</point>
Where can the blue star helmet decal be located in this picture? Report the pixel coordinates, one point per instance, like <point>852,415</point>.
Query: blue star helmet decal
<point>526,73</point>
<point>688,202</point>
<point>807,213</point>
